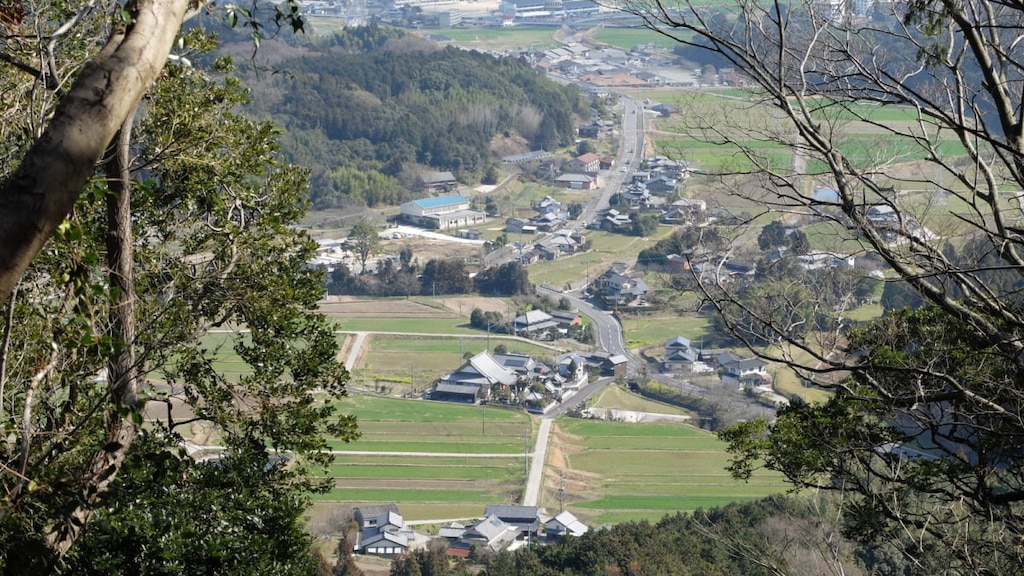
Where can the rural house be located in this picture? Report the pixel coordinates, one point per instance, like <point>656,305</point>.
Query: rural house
<point>588,163</point>
<point>491,533</point>
<point>526,519</point>
<point>382,531</point>
<point>618,289</point>
<point>564,524</point>
<point>746,373</point>
<point>679,356</point>
<point>473,380</point>
<point>435,182</point>
<point>534,322</point>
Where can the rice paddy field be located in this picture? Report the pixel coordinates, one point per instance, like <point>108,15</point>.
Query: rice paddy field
<point>442,461</point>
<point>728,131</point>
<point>615,472</point>
<point>435,459</point>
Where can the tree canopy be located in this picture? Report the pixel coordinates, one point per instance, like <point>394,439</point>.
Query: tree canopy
<point>366,115</point>
<point>921,398</point>
<point>181,226</point>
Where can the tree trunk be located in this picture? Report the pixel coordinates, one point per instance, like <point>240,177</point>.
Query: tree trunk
<point>122,372</point>
<point>41,193</point>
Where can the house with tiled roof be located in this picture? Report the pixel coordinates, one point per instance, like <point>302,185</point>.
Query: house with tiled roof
<point>533,322</point>
<point>491,533</point>
<point>617,288</point>
<point>685,210</point>
<point>746,372</point>
<point>435,182</point>
<point>368,516</point>
<point>473,380</point>
<point>526,519</point>
<point>382,531</point>
<point>679,356</point>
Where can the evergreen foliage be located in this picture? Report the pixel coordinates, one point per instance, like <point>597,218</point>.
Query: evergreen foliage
<point>371,103</point>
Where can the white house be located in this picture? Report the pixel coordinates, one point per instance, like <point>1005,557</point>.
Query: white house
<point>565,524</point>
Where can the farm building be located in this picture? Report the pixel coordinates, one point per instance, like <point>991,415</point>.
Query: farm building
<point>574,181</point>
<point>441,212</point>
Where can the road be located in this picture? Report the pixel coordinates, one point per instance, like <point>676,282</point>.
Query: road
<point>630,155</point>
<point>536,479</point>
<point>607,328</point>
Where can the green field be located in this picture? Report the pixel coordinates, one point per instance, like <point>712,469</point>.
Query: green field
<point>656,328</point>
<point>648,470</point>
<point>435,484</point>
<point>454,326</point>
<point>629,38</point>
<point>606,249</point>
<point>415,362</point>
<point>620,398</point>
<point>500,39</point>
<point>727,130</point>
<point>615,457</point>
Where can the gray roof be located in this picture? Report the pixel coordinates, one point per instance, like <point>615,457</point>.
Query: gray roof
<point>488,367</point>
<point>482,369</point>
<point>533,317</point>
<point>375,511</point>
<point>457,388</point>
<point>518,512</point>
<point>489,528</point>
<point>437,177</point>
<point>389,539</point>
<point>572,177</point>
<point>677,342</point>
<point>688,355</point>
<point>514,361</point>
<point>453,530</point>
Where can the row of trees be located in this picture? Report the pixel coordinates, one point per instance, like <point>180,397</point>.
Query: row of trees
<point>439,276</point>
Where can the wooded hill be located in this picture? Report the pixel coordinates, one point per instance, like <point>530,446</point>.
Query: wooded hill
<point>363,107</point>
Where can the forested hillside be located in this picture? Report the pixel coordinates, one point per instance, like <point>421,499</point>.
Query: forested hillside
<point>363,107</point>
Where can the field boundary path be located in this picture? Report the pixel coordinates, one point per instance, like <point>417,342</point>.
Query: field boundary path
<point>353,352</point>
<point>540,450</point>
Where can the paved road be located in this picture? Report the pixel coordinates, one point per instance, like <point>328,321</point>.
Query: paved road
<point>580,397</point>
<point>607,328</point>
<point>353,353</point>
<point>536,479</point>
<point>630,156</point>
